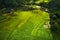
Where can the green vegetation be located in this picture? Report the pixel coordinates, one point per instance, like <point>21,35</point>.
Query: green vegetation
<point>27,25</point>
<point>29,20</point>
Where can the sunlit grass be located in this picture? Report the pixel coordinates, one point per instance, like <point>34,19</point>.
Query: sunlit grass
<point>39,1</point>
<point>25,24</point>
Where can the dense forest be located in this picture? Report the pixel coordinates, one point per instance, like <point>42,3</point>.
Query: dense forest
<point>29,19</point>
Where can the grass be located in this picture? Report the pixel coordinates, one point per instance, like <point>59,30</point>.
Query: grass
<point>27,25</point>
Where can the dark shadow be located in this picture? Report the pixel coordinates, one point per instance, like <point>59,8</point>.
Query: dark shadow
<point>54,10</point>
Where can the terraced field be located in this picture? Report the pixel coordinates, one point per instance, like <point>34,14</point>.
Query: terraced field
<point>26,25</point>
